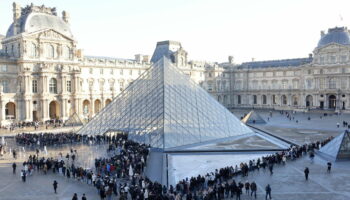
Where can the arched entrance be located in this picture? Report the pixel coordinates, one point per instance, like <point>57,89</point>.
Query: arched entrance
<point>86,107</point>
<point>97,106</point>
<point>108,101</point>
<point>10,111</point>
<point>54,110</point>
<point>332,102</point>
<point>308,101</point>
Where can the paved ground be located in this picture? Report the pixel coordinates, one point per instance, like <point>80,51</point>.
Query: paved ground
<point>39,187</point>
<point>288,181</point>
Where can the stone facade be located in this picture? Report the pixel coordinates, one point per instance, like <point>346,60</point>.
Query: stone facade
<point>43,75</point>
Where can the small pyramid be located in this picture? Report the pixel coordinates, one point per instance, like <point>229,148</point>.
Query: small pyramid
<point>253,118</point>
<point>338,148</point>
<point>74,120</point>
<point>166,109</point>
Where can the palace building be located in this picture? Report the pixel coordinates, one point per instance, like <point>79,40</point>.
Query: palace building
<point>43,75</point>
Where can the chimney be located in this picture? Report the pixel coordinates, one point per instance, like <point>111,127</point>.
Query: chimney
<point>16,11</point>
<point>65,16</point>
<point>253,59</point>
<point>310,55</point>
<point>322,33</point>
<point>231,59</point>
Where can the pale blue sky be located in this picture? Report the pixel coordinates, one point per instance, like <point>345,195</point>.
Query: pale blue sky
<point>208,29</point>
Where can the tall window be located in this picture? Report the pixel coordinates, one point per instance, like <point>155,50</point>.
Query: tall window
<point>101,71</point>
<point>121,72</point>
<point>274,99</point>
<point>69,86</point>
<point>5,86</point>
<point>35,86</point>
<point>66,52</point>
<point>239,99</point>
<point>53,86</point>
<point>121,85</point>
<point>264,99</point>
<point>255,101</point>
<point>3,68</point>
<point>33,52</point>
<point>332,83</point>
<point>130,72</point>
<point>50,51</point>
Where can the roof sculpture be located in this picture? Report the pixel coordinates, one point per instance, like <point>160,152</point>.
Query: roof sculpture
<point>338,148</point>
<point>166,109</point>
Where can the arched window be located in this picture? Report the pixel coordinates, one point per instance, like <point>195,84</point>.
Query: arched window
<point>50,51</point>
<point>53,86</point>
<point>33,52</point>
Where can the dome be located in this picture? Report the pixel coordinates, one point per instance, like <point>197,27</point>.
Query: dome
<point>338,35</point>
<point>40,21</point>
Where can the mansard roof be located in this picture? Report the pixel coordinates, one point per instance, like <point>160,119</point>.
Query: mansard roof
<point>295,62</point>
<point>34,18</point>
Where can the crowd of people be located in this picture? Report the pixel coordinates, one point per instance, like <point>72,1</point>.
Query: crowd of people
<point>56,139</point>
<point>121,174</point>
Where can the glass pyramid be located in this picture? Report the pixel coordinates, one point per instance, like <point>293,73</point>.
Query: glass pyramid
<point>74,120</point>
<point>166,109</point>
<point>339,147</point>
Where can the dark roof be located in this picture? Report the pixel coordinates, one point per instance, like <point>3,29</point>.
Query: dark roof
<point>107,58</point>
<point>276,63</point>
<point>338,35</point>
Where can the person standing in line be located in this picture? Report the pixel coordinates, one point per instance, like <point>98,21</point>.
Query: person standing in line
<point>253,189</point>
<point>55,184</point>
<point>268,191</point>
<point>329,166</point>
<point>306,172</point>
<point>83,197</point>
<point>14,168</point>
<point>75,197</point>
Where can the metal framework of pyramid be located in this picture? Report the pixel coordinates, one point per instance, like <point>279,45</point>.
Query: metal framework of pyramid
<point>253,118</point>
<point>74,120</point>
<point>338,148</point>
<point>166,109</point>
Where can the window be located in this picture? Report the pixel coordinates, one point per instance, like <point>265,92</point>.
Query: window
<point>309,83</point>
<point>332,83</point>
<point>5,86</point>
<point>263,99</point>
<point>139,73</point>
<point>130,72</point>
<point>121,72</point>
<point>200,74</point>
<point>35,86</point>
<point>309,71</point>
<point>69,86</point>
<point>210,75</point>
<point>121,85</point>
<point>255,99</point>
<point>53,86</point>
<point>295,84</point>
<point>284,100</point>
<point>112,71</point>
<point>239,99</point>
<point>91,70</point>
<point>19,50</point>
<point>101,71</point>
<point>321,71</point>
<point>33,50</point>
<point>66,52</point>
<point>343,58</point>
<point>50,51</point>
<point>274,99</point>
<point>284,84</point>
<point>3,68</point>
<point>332,59</point>
<point>210,86</point>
